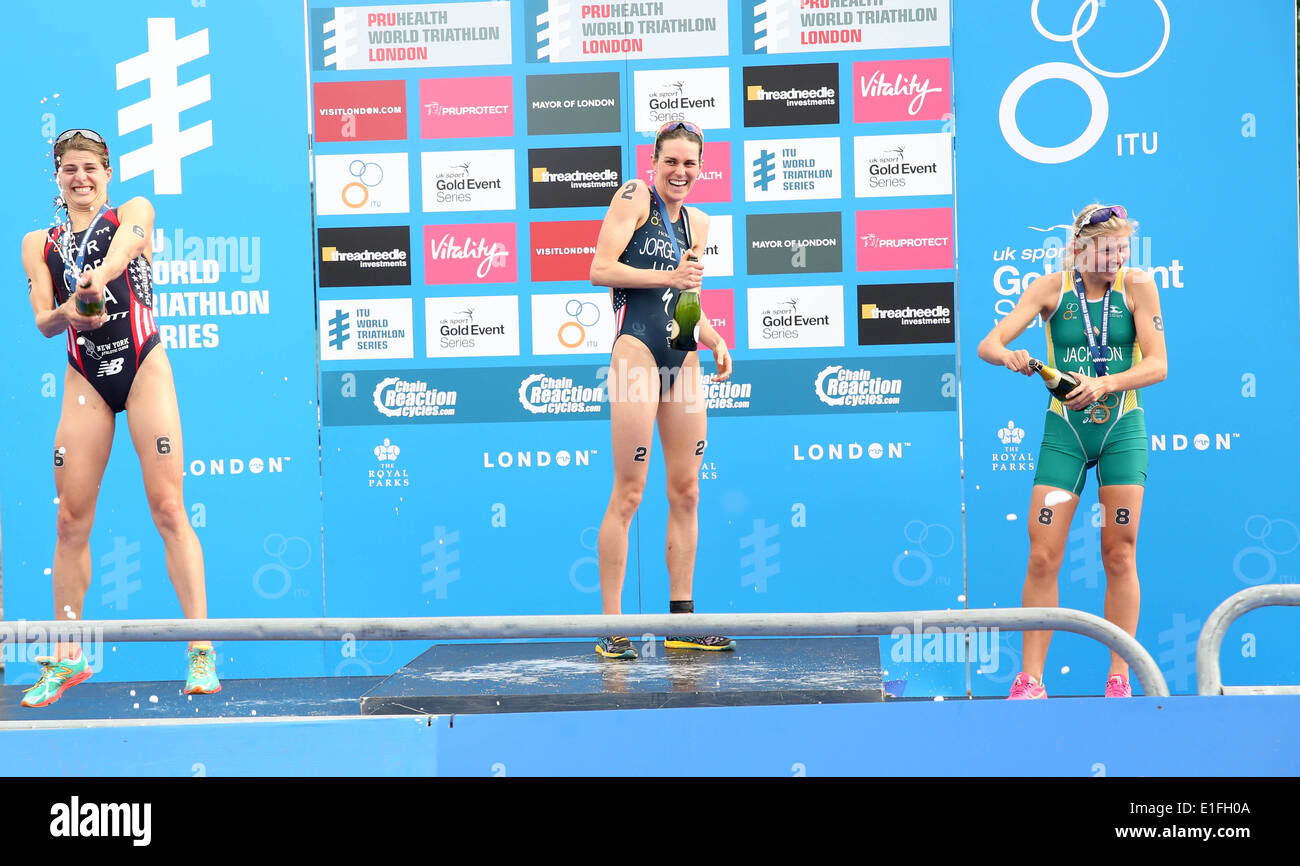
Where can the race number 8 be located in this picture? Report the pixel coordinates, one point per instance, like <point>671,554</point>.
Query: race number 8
<point>1045,516</point>
<point>1121,516</point>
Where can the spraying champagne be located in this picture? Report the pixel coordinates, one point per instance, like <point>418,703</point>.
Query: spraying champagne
<point>88,306</point>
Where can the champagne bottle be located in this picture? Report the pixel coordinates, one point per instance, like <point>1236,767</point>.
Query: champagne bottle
<point>1059,382</point>
<point>684,331</point>
<point>91,307</point>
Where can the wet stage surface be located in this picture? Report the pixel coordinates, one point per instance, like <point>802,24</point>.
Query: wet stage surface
<point>548,677</point>
<point>503,678</point>
<point>263,698</point>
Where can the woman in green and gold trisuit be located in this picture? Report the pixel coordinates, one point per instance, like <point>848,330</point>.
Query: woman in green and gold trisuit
<point>1103,325</point>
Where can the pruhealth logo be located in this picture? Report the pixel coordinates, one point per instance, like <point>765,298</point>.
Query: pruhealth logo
<point>161,110</point>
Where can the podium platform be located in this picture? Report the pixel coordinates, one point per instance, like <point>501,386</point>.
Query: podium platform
<point>563,676</point>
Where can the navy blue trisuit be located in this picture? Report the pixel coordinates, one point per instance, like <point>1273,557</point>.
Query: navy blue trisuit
<point>646,314</point>
<point>107,357</point>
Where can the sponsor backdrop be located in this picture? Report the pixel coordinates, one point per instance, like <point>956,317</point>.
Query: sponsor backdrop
<point>470,475</point>
<point>1072,107</point>
<point>463,155</point>
<point>193,127</point>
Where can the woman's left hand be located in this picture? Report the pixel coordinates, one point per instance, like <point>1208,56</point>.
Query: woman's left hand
<point>1090,390</point>
<point>722,358</point>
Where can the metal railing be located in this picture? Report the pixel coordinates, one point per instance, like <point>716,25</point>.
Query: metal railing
<point>516,627</point>
<point>1209,675</point>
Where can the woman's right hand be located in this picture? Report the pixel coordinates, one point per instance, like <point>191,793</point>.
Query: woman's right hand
<point>688,275</point>
<point>78,321</point>
<point>1017,361</point>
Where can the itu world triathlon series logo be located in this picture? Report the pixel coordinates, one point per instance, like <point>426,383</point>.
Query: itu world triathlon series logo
<point>161,110</point>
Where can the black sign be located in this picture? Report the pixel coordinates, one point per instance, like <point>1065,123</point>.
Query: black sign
<point>573,176</point>
<point>374,256</point>
<point>905,313</point>
<point>574,103</point>
<point>792,95</point>
<point>793,243</point>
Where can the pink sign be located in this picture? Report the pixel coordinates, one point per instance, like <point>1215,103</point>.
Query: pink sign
<point>720,306</point>
<point>889,90</point>
<point>904,240</point>
<point>714,181</point>
<point>470,254</point>
<point>466,107</point>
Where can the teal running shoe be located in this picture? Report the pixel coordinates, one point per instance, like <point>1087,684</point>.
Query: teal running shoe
<point>202,679</point>
<point>57,676</point>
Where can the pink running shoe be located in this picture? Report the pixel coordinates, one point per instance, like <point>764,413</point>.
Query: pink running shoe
<point>1025,689</point>
<point>1117,687</point>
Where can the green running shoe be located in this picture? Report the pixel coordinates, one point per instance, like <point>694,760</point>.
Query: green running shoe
<point>202,679</point>
<point>57,676</point>
<point>615,648</point>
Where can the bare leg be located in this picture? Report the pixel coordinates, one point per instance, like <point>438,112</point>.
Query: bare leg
<point>1049,529</point>
<point>155,423</point>
<point>633,398</point>
<point>1122,506</point>
<point>81,447</point>
<point>682,431</point>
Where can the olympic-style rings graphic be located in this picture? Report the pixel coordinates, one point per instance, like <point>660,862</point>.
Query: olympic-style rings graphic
<point>1076,32</point>
<point>1071,312</point>
<point>1083,77</point>
<point>934,540</point>
<point>1276,538</point>
<point>586,560</point>
<point>290,554</point>
<point>368,175</point>
<point>581,311</point>
<point>363,661</point>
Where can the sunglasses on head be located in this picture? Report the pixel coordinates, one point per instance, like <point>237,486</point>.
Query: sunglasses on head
<point>684,124</point>
<point>1102,214</point>
<point>88,134</point>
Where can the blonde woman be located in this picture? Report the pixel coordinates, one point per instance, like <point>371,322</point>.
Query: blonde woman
<point>1103,325</point>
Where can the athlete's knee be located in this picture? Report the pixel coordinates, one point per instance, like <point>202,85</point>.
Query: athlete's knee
<point>1119,556</point>
<point>74,523</point>
<point>1044,561</point>
<point>169,514</point>
<point>626,499</point>
<point>684,492</point>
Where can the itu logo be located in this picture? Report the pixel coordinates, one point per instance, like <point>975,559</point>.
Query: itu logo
<point>338,334</point>
<point>764,169</point>
<point>368,176</point>
<point>161,110</point>
<point>1084,78</point>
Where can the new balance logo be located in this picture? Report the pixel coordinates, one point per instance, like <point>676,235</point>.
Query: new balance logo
<point>162,109</point>
<point>110,368</point>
